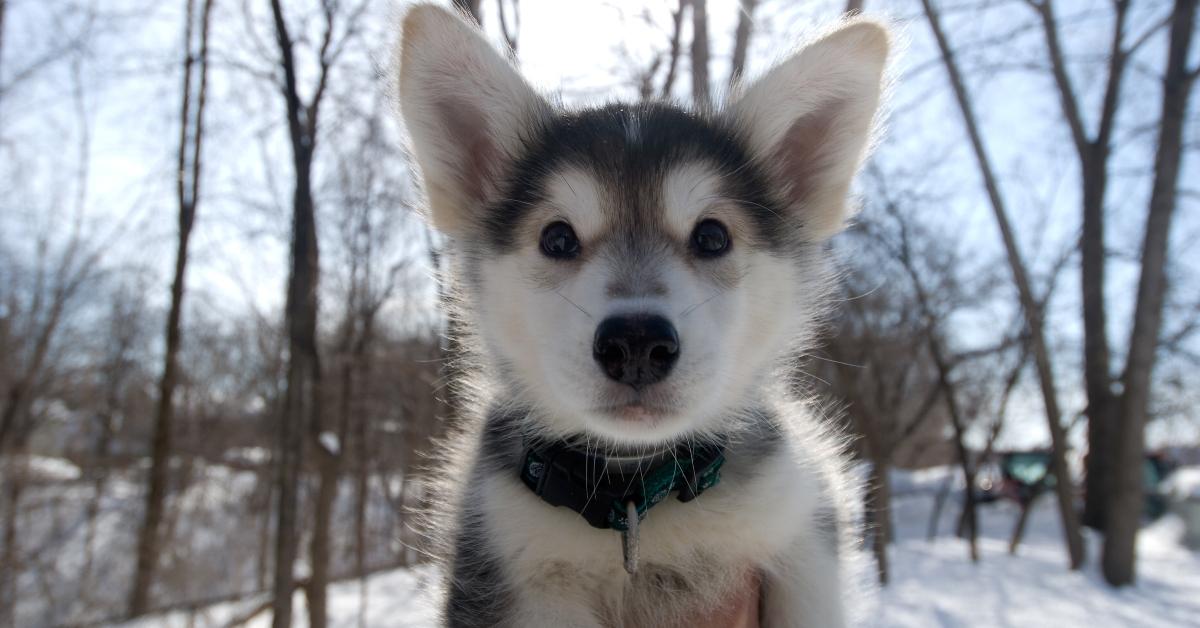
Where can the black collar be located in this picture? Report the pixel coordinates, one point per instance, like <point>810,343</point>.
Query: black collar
<point>599,487</point>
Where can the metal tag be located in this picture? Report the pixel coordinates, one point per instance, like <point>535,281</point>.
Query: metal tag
<point>629,538</point>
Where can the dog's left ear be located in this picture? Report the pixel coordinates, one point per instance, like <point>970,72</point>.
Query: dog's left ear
<point>467,109</point>
<point>810,120</point>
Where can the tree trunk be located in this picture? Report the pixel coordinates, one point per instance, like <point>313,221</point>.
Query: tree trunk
<point>1018,532</point>
<point>968,521</point>
<point>360,518</point>
<point>1102,403</point>
<point>741,41</point>
<point>1093,161</point>
<point>264,530</point>
<point>1029,306</point>
<point>1125,504</point>
<point>879,512</point>
<point>673,52</point>
<point>700,87</point>
<point>191,136</point>
<point>362,485</point>
<point>302,400</point>
<point>319,544</point>
<point>935,515</point>
<point>99,480</point>
<point>10,563</point>
<point>329,464</point>
<point>303,389</point>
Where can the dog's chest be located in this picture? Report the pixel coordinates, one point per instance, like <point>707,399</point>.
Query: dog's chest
<point>695,557</point>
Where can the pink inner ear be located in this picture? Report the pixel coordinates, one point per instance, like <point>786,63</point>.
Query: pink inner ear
<point>806,153</point>
<point>475,153</point>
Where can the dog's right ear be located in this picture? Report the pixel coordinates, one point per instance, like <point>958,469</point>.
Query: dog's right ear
<point>466,109</point>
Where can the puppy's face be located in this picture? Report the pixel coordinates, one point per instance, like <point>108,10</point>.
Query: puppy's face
<point>634,271</point>
<point>639,275</point>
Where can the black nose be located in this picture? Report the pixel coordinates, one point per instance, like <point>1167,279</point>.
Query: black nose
<point>636,350</point>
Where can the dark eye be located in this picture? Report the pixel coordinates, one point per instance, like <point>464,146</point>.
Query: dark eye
<point>710,238</point>
<point>559,241</point>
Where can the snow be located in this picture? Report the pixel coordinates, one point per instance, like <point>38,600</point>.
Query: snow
<point>395,599</point>
<point>329,441</point>
<point>1184,483</point>
<point>929,481</point>
<point>42,469</point>
<point>933,582</point>
<point>249,455</point>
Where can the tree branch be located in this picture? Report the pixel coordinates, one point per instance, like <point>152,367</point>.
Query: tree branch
<point>1062,79</point>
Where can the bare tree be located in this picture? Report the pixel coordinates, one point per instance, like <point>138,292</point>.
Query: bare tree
<point>55,282</point>
<point>372,201</point>
<point>700,55</point>
<point>673,50</point>
<point>303,396</point>
<point>1125,507</point>
<point>302,413</point>
<point>880,368</point>
<point>935,341</point>
<point>647,77</point>
<point>741,40</point>
<point>187,190</point>
<point>1034,318</point>
<point>118,374</point>
<point>1094,151</point>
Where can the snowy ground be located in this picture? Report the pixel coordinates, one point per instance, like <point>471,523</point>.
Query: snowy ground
<point>76,568</point>
<point>394,599</point>
<point>933,583</point>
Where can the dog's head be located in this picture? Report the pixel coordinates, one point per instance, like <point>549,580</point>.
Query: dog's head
<point>635,271</point>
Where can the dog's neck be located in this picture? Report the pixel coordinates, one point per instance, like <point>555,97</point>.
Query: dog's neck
<point>612,486</point>
<point>606,490</point>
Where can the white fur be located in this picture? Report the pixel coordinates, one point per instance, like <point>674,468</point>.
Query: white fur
<point>730,523</point>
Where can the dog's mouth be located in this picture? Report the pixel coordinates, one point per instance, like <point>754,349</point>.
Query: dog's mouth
<point>638,412</point>
<point>639,408</point>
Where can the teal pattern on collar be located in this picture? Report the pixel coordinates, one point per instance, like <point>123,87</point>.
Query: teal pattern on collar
<point>565,476</point>
<point>659,483</point>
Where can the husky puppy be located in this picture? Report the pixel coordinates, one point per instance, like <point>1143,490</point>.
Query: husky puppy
<point>635,281</point>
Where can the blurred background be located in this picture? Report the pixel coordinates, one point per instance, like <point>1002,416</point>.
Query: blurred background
<point>222,360</point>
